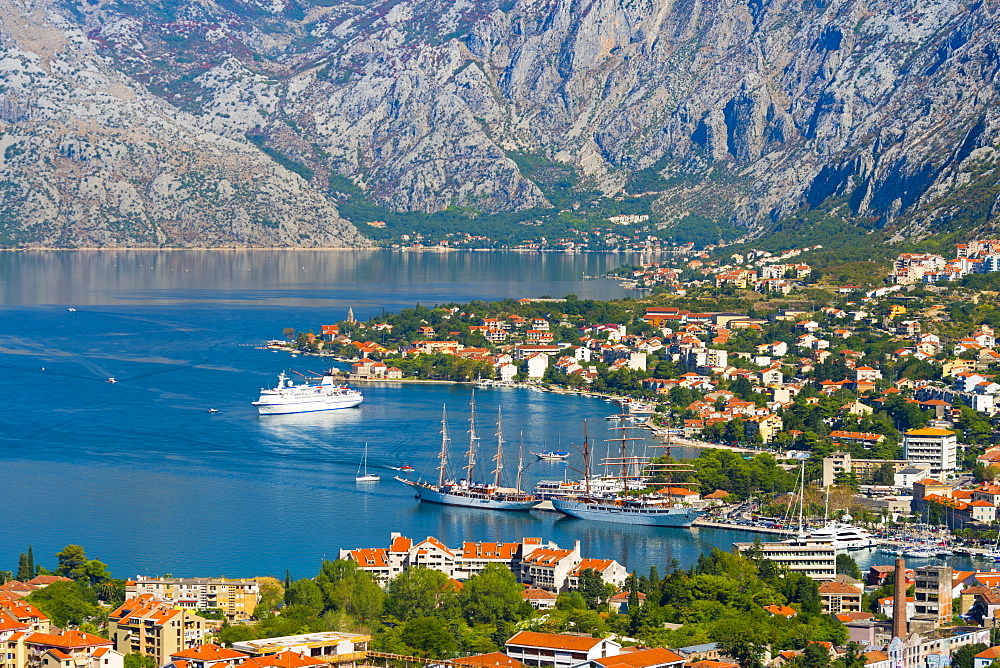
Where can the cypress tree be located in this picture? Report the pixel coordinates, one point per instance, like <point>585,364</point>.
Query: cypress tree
<point>23,574</point>
<point>288,584</point>
<point>31,563</point>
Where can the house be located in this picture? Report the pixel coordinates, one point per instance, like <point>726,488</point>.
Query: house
<point>558,650</point>
<point>491,660</point>
<point>539,598</point>
<point>206,656</point>
<point>65,648</point>
<point>780,611</point>
<point>837,597</point>
<point>986,658</point>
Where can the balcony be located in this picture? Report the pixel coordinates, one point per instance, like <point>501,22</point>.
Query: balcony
<point>347,657</point>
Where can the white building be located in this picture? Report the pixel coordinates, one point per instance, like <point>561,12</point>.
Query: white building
<point>558,650</point>
<point>933,446</point>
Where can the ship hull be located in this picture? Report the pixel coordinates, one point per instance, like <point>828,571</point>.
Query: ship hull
<point>600,512</point>
<point>444,498</point>
<point>286,407</point>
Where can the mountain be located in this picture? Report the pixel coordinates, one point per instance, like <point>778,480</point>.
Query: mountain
<point>780,117</point>
<point>91,158</point>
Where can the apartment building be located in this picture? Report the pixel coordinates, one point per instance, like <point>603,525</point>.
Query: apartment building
<point>155,628</point>
<point>21,611</point>
<point>64,649</point>
<point>839,597</point>
<point>236,598</point>
<point>813,558</point>
<point>933,589</point>
<point>934,446</point>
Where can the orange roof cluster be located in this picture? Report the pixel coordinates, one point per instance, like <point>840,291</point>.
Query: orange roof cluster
<point>21,610</point>
<point>835,587</point>
<point>491,660</point>
<point>144,608</point>
<point>547,557</point>
<point>645,658</point>
<point>554,641</point>
<point>780,610</point>
<point>283,660</point>
<point>67,640</point>
<point>599,565</point>
<point>371,557</point>
<point>538,595</point>
<point>472,550</point>
<point>209,653</point>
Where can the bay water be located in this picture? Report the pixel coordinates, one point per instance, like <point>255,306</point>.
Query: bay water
<point>147,479</point>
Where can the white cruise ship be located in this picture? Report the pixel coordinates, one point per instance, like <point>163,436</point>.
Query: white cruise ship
<point>288,397</point>
<point>844,535</point>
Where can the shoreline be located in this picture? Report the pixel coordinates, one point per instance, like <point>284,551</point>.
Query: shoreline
<point>425,249</point>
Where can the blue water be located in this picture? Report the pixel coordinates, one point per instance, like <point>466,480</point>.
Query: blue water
<point>147,480</point>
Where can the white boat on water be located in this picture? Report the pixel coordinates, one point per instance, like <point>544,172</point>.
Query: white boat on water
<point>288,397</point>
<point>366,476</point>
<point>551,455</point>
<point>844,535</point>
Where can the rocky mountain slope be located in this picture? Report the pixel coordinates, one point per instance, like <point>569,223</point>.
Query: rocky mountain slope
<point>90,158</point>
<point>869,112</point>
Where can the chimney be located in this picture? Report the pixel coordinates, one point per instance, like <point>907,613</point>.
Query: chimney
<point>899,600</point>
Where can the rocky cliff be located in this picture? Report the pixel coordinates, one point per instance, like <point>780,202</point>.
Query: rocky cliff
<point>871,112</point>
<point>91,158</point>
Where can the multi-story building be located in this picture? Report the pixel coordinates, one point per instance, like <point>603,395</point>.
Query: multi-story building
<point>64,649</point>
<point>536,563</point>
<point>842,462</point>
<point>236,598</point>
<point>813,558</point>
<point>18,610</point>
<point>155,628</point>
<point>334,648</point>
<point>558,650</point>
<point>933,593</point>
<point>838,597</point>
<point>931,445</point>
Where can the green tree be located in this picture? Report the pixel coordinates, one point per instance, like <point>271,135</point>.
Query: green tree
<point>429,637</point>
<point>854,656</point>
<point>814,656</point>
<point>65,603</point>
<point>72,562</point>
<point>847,566</point>
<point>884,475</point>
<point>306,593</point>
<point>493,596</point>
<point>742,641</point>
<point>138,660</point>
<point>6,576</point>
<point>32,569</point>
<point>964,656</point>
<point>420,592</point>
<point>570,600</point>
<point>24,573</point>
<point>271,594</point>
<point>592,588</point>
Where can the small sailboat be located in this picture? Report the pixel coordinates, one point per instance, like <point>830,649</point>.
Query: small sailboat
<point>366,476</point>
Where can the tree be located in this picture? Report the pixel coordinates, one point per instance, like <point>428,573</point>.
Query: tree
<point>570,600</point>
<point>419,592</point>
<point>306,593</point>
<point>429,636</point>
<point>847,566</point>
<point>744,643</point>
<point>23,572</point>
<point>493,596</point>
<point>854,656</point>
<point>884,475</point>
<point>72,562</point>
<point>271,593</point>
<point>32,569</point>
<point>592,588</point>
<point>139,660</point>
<point>964,656</point>
<point>65,603</point>
<point>814,656</point>
<point>6,576</point>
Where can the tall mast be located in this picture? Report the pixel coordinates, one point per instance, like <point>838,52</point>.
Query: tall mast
<point>624,453</point>
<point>444,445</point>
<point>471,454</point>
<point>802,494</point>
<point>499,458</point>
<point>520,460</point>
<point>586,463</point>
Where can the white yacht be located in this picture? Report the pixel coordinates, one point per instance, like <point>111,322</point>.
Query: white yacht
<point>844,535</point>
<point>288,397</point>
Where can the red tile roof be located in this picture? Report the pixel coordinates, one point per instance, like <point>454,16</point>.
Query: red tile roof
<point>67,640</point>
<point>655,656</point>
<point>491,660</point>
<point>554,641</point>
<point>284,660</point>
<point>209,653</point>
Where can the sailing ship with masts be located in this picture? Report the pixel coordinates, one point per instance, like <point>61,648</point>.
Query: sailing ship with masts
<point>466,491</point>
<point>629,506</point>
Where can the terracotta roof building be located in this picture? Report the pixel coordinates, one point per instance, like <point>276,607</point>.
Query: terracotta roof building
<point>558,650</point>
